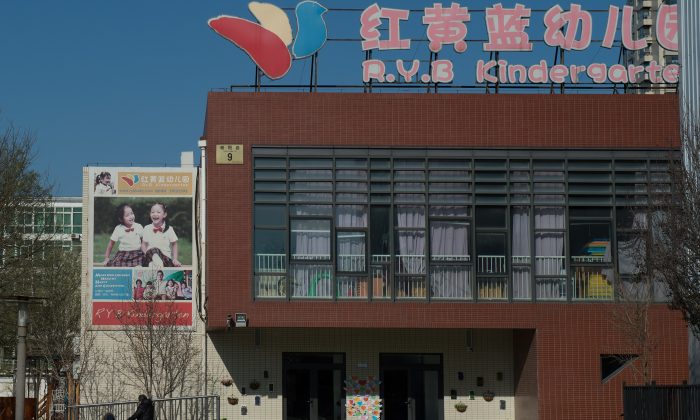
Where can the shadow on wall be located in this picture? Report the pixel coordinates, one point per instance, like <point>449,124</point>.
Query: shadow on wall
<point>500,361</point>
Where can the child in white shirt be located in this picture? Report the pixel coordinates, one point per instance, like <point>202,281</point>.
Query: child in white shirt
<point>159,243</point>
<point>128,233</point>
<point>103,184</point>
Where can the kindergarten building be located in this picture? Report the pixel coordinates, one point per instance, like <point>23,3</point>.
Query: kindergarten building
<point>411,252</point>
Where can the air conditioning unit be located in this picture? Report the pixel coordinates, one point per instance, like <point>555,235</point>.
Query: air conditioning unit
<point>76,236</point>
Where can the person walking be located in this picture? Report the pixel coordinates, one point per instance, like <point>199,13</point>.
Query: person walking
<point>108,416</point>
<point>144,411</point>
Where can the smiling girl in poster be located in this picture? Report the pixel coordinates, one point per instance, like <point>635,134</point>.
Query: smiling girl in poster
<point>159,240</point>
<point>128,233</point>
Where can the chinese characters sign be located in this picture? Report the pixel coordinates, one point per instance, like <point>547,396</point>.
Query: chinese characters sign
<point>571,29</point>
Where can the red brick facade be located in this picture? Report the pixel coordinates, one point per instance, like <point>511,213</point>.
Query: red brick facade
<point>569,338</point>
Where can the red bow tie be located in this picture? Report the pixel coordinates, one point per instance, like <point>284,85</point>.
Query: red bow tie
<point>127,230</point>
<point>157,229</point>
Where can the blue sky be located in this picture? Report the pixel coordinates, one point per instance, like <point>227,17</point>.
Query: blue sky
<point>125,82</point>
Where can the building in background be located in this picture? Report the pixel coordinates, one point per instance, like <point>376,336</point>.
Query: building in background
<point>689,14</point>
<point>644,26</point>
<point>416,251</point>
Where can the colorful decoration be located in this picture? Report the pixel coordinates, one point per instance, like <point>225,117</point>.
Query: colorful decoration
<point>266,43</point>
<point>362,398</point>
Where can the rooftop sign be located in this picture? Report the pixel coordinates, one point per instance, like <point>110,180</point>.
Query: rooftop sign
<point>447,26</point>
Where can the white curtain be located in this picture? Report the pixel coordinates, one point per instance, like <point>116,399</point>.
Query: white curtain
<point>312,239</point>
<point>549,252</point>
<point>351,216</point>
<point>521,232</point>
<point>449,241</point>
<point>549,218</point>
<point>411,243</point>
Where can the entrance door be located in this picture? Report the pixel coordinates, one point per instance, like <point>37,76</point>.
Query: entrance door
<point>313,386</point>
<point>411,386</point>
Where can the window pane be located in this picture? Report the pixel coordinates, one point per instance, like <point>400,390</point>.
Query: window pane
<point>311,210</point>
<point>551,289</point>
<point>270,286</point>
<point>311,239</point>
<point>549,176</point>
<point>490,217</point>
<point>634,290</point>
<point>351,252</point>
<point>449,211</point>
<point>492,288</point>
<point>351,216</point>
<point>590,242</point>
<point>270,175</point>
<point>410,252</point>
<point>449,241</point>
<point>322,197</point>
<point>549,187</point>
<point>549,254</point>
<point>351,198</point>
<point>549,218</point>
<point>520,175</point>
<point>350,174</point>
<point>310,186</point>
<point>450,175</point>
<point>410,216</point>
<point>270,250</point>
<point>352,288</point>
<point>311,281</point>
<point>521,283</point>
<point>630,250</point>
<point>311,174</point>
<point>592,283</point>
<point>410,287</point>
<point>451,282</point>
<point>450,199</point>
<point>409,186</point>
<point>351,163</point>
<point>270,215</point>
<point>379,231</point>
<point>351,186</point>
<point>521,235</point>
<point>491,252</point>
<point>310,163</point>
<point>409,176</point>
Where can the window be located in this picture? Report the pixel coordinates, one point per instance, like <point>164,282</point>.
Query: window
<point>550,253</point>
<point>351,254</point>
<point>450,273</point>
<point>410,224</point>
<point>380,252</point>
<point>410,251</point>
<point>591,256</point>
<point>491,253</point>
<point>520,248</point>
<point>270,250</point>
<point>612,364</point>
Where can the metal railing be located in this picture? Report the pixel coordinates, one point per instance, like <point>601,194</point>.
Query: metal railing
<point>492,288</point>
<point>352,263</point>
<point>183,408</point>
<point>550,266</point>
<point>670,402</point>
<point>451,282</point>
<point>270,263</point>
<point>491,264</point>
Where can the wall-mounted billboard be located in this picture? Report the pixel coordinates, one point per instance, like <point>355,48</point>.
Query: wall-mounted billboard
<point>141,249</point>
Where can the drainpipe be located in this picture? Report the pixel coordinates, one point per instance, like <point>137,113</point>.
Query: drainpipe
<point>203,252</point>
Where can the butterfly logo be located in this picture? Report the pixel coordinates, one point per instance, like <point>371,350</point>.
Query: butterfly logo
<point>267,43</point>
<point>131,180</point>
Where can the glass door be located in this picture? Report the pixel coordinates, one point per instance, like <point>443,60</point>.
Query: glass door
<point>313,386</point>
<point>411,386</point>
